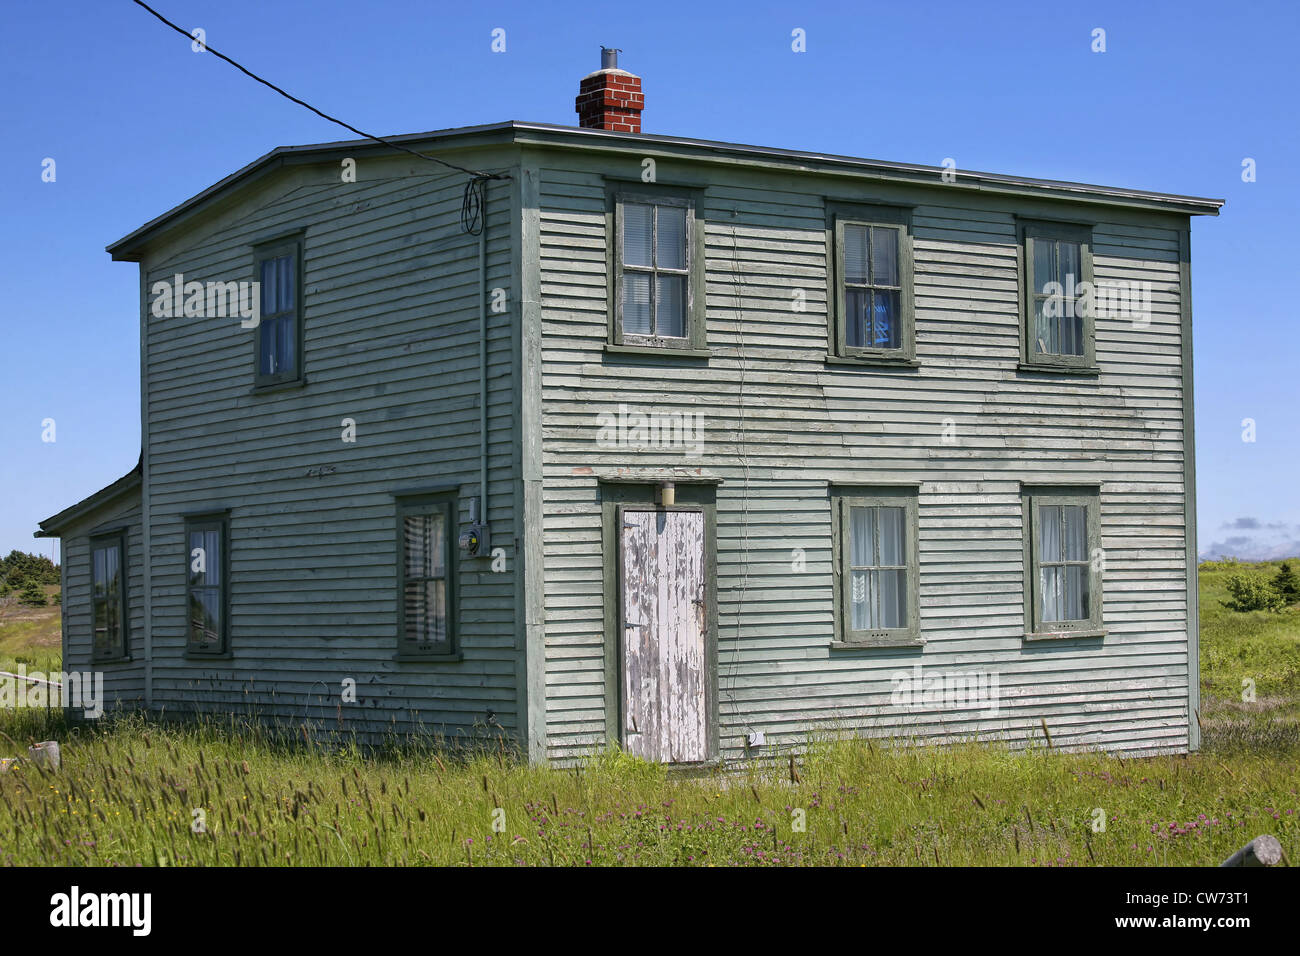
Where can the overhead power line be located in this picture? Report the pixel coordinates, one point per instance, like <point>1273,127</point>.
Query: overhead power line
<point>476,174</point>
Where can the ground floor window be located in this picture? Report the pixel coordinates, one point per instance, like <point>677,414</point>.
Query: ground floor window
<point>108,596</point>
<point>426,559</point>
<point>208,590</point>
<point>876,565</point>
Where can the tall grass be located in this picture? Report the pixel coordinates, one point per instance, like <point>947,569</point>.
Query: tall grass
<point>1244,655</point>
<point>128,792</point>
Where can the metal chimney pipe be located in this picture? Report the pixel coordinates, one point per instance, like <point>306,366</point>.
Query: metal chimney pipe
<point>609,57</point>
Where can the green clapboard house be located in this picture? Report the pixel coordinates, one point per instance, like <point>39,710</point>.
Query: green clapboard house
<point>690,447</point>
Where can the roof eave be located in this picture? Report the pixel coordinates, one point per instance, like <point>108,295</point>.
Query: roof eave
<point>52,527</point>
<point>131,246</point>
<point>544,134</point>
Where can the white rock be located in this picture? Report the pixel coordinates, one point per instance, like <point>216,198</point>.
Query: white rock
<point>45,754</point>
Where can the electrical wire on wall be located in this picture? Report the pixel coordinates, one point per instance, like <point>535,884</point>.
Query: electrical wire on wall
<point>744,463</point>
<point>472,203</point>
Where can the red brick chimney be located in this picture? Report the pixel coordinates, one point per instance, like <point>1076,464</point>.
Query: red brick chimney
<point>610,98</point>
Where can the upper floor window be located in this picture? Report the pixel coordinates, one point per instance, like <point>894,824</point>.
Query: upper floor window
<point>656,293</point>
<point>426,568</point>
<point>279,331</point>
<point>1062,547</point>
<point>876,580</point>
<point>108,597</point>
<point>208,586</point>
<point>1059,312</point>
<point>871,283</point>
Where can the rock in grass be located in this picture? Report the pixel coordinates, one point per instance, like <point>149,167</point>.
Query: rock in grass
<point>7,762</point>
<point>45,754</point>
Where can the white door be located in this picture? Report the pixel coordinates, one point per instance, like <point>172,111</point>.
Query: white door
<point>665,680</point>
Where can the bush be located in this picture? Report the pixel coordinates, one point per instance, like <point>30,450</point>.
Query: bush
<point>1223,564</point>
<point>1251,593</point>
<point>1287,584</point>
<point>32,595</point>
<point>19,568</point>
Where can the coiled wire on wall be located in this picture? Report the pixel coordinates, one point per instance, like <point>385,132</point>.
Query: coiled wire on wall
<point>471,206</point>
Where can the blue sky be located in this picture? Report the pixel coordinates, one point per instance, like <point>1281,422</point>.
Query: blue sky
<point>136,122</point>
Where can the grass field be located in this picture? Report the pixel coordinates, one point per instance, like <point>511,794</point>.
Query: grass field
<point>208,794</point>
<point>1255,646</point>
<point>30,635</point>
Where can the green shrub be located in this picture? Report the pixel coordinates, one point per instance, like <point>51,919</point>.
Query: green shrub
<point>1287,584</point>
<point>1251,593</point>
<point>1223,564</point>
<point>32,595</point>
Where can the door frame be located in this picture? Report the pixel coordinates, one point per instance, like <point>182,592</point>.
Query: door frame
<point>615,498</point>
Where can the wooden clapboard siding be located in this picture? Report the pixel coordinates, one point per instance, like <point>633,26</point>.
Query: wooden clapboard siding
<point>390,295</point>
<point>781,422</point>
<point>123,680</point>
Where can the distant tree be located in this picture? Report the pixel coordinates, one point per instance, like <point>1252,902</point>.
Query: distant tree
<point>1251,593</point>
<point>17,568</point>
<point>32,594</point>
<point>57,597</point>
<point>1287,584</point>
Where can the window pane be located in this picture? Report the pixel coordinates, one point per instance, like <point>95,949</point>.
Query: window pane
<point>891,536</point>
<point>856,318</point>
<point>637,234</point>
<point>884,255</point>
<point>205,617</point>
<point>859,600</point>
<point>424,545</point>
<point>212,555</point>
<point>670,305</point>
<point>1072,332</point>
<point>102,637</point>
<point>861,533</point>
<point>671,251</point>
<point>437,546</point>
<point>1049,533</point>
<point>885,331</point>
<point>1076,532</point>
<point>426,611</point>
<point>636,303</point>
<point>892,593</point>
<point>1051,593</point>
<point>855,254</point>
<point>285,283</point>
<point>1044,263</point>
<point>270,291</point>
<point>415,545</point>
<point>1074,605</point>
<point>1045,329</point>
<point>205,567</point>
<point>112,557</point>
<point>269,337</point>
<point>99,561</point>
<point>286,345</point>
<point>1069,267</point>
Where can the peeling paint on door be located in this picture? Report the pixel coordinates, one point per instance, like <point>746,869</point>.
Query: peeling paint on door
<point>665,696</point>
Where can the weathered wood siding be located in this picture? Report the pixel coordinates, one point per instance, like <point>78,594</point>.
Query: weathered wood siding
<point>780,423</point>
<point>123,681</point>
<point>391,341</point>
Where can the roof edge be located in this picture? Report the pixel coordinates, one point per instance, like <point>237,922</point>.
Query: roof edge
<point>130,246</point>
<point>52,526</point>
